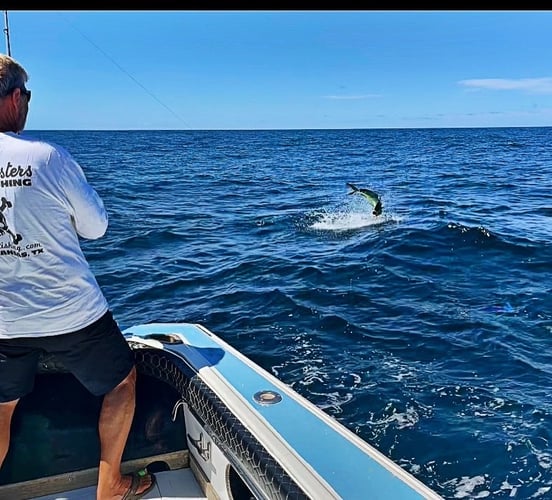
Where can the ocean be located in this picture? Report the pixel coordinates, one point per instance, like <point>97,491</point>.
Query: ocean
<point>427,330</point>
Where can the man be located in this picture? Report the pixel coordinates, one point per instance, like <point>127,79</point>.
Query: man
<point>49,298</point>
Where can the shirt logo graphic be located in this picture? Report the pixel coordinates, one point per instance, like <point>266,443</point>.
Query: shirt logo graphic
<point>4,229</point>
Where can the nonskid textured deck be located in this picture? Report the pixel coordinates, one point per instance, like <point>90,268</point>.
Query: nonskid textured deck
<point>173,484</point>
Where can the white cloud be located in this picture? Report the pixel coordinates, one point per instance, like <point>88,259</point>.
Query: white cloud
<point>531,85</point>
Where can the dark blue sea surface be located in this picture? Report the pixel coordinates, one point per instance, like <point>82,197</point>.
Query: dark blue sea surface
<point>427,330</point>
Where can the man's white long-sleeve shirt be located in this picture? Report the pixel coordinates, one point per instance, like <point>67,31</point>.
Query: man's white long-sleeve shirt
<point>46,284</point>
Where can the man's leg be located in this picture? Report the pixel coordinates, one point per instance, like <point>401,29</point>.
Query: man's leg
<point>6,413</point>
<point>116,417</point>
<point>99,357</point>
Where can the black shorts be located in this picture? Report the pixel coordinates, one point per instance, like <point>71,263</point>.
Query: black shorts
<point>98,355</point>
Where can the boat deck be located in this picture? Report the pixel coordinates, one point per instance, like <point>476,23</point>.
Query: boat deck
<point>203,425</point>
<point>179,481</point>
<point>172,484</point>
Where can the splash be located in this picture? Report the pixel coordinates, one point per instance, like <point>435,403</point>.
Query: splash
<point>346,221</point>
<point>340,220</point>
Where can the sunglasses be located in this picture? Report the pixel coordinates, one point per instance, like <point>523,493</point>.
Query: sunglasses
<point>26,93</point>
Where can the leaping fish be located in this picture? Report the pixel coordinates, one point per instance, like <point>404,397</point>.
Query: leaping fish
<point>370,195</point>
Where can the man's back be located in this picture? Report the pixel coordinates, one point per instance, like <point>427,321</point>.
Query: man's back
<point>46,205</point>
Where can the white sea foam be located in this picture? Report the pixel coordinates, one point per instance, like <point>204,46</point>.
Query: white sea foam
<point>356,213</point>
<point>465,486</point>
<point>347,221</point>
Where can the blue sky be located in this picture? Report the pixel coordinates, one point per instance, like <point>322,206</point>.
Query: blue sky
<point>121,70</point>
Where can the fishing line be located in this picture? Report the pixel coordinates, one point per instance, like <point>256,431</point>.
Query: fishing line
<point>123,70</point>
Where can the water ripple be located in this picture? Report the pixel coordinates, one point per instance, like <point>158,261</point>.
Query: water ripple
<point>427,330</point>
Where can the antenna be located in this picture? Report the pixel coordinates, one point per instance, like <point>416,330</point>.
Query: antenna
<point>7,33</point>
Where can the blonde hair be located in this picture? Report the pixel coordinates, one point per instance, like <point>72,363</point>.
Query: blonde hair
<point>12,75</point>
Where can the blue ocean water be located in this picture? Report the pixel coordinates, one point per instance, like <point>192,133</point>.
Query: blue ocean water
<point>427,331</point>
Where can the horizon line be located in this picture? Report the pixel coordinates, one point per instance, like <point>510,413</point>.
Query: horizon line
<point>275,129</point>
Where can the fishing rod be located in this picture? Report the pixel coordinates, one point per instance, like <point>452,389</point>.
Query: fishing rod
<point>7,33</point>
<point>8,51</point>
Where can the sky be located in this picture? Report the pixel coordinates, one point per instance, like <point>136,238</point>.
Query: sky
<point>291,69</point>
